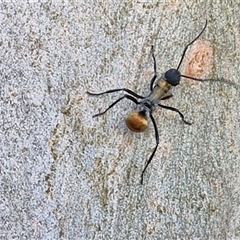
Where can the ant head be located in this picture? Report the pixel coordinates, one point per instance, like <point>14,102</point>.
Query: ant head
<point>172,77</point>
<point>137,121</point>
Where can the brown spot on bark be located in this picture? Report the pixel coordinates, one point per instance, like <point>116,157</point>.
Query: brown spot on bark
<point>199,60</point>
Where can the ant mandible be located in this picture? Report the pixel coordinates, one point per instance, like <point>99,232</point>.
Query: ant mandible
<point>138,121</point>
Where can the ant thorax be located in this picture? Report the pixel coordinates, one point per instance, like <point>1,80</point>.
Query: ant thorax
<point>160,91</point>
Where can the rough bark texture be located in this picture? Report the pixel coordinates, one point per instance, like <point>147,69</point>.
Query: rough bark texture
<point>66,175</point>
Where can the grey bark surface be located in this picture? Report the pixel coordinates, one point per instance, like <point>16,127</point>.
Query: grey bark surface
<point>66,175</point>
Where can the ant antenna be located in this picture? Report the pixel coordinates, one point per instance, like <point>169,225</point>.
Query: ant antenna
<point>185,49</point>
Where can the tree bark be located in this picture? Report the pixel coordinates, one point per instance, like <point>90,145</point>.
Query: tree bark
<point>66,175</point>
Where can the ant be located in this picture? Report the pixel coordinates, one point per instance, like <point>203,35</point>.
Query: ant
<point>138,121</point>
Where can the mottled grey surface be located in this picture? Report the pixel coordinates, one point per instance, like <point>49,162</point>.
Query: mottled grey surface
<point>65,175</point>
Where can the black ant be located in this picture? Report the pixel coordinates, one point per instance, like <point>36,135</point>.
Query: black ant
<point>138,121</point>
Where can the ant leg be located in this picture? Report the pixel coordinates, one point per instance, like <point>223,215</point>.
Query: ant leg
<point>125,96</point>
<point>155,69</point>
<point>157,142</point>
<point>117,90</point>
<point>175,110</point>
<point>167,97</point>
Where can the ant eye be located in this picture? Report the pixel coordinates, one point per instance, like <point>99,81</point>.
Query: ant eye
<point>173,77</point>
